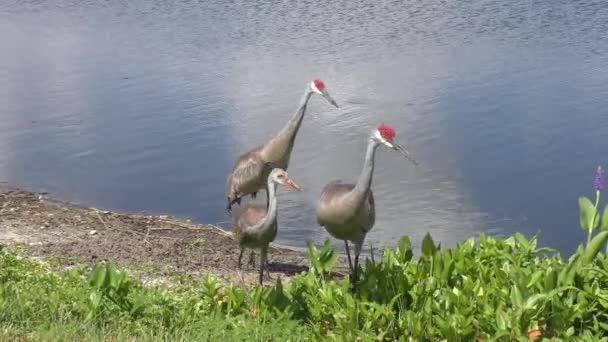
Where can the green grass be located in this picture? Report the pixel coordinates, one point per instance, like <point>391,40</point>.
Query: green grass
<point>39,304</point>
<point>210,328</point>
<point>493,288</point>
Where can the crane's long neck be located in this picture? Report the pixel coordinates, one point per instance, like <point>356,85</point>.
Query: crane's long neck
<point>278,149</point>
<point>271,214</point>
<point>293,125</point>
<point>359,193</point>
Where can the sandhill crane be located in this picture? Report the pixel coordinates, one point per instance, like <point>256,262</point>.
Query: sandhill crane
<point>251,169</point>
<point>255,225</point>
<point>347,211</point>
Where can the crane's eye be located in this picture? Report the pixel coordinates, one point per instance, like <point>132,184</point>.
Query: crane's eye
<point>281,176</point>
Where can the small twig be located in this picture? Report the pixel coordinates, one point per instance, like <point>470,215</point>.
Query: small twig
<point>178,224</point>
<point>220,231</point>
<point>146,242</point>
<point>129,231</point>
<point>194,227</point>
<point>144,235</point>
<point>167,237</point>
<point>101,219</point>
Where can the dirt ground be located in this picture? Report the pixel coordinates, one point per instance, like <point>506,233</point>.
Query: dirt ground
<point>156,245</point>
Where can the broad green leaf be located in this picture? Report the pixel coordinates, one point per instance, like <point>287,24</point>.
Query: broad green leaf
<point>570,332</point>
<point>313,255</point>
<point>535,278</point>
<point>550,279</point>
<point>329,260</point>
<point>605,218</point>
<point>94,299</point>
<point>501,319</point>
<point>586,212</point>
<point>98,276</point>
<point>566,276</point>
<point>522,240</point>
<point>516,296</point>
<point>404,251</point>
<point>447,270</point>
<point>428,246</point>
<point>311,249</point>
<point>112,275</point>
<point>532,300</point>
<point>594,247</point>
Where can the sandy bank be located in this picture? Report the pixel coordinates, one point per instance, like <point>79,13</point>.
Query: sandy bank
<point>161,245</point>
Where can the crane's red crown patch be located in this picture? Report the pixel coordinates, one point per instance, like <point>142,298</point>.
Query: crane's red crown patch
<point>319,84</point>
<point>387,132</point>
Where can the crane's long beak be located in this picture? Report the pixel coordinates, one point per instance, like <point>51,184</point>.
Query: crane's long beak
<point>404,152</point>
<point>330,99</point>
<point>291,184</point>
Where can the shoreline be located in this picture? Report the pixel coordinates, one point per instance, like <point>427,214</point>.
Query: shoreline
<point>160,245</point>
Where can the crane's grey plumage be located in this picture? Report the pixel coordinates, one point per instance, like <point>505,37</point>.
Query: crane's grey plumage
<point>255,225</point>
<point>251,169</point>
<point>347,211</point>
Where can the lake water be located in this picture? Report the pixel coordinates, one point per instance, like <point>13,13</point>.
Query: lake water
<point>144,106</point>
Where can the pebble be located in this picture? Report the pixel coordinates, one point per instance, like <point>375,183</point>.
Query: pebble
<point>92,232</point>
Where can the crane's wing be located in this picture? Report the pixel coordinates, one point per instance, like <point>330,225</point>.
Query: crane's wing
<point>248,172</point>
<point>246,217</point>
<point>328,206</point>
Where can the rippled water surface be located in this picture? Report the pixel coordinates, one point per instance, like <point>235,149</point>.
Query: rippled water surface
<point>144,105</point>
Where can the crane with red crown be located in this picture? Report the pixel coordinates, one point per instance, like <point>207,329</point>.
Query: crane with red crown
<point>346,210</point>
<point>250,171</point>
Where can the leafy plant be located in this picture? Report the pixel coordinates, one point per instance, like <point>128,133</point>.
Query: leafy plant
<point>321,260</point>
<point>490,288</point>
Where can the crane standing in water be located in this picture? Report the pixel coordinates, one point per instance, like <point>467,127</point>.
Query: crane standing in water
<point>347,211</point>
<point>255,225</point>
<point>251,169</point>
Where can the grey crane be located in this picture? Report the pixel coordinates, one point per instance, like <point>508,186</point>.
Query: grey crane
<point>251,169</point>
<point>255,225</point>
<point>347,211</point>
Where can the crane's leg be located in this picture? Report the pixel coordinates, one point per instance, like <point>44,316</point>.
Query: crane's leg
<point>241,257</point>
<point>267,197</point>
<point>251,259</point>
<point>350,264</point>
<point>354,281</point>
<point>267,266</point>
<point>263,256</point>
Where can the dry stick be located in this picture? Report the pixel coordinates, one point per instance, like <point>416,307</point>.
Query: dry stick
<point>190,226</point>
<point>145,235</point>
<point>194,227</point>
<point>97,211</point>
<point>146,242</point>
<point>161,228</point>
<point>178,224</point>
<point>101,219</point>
